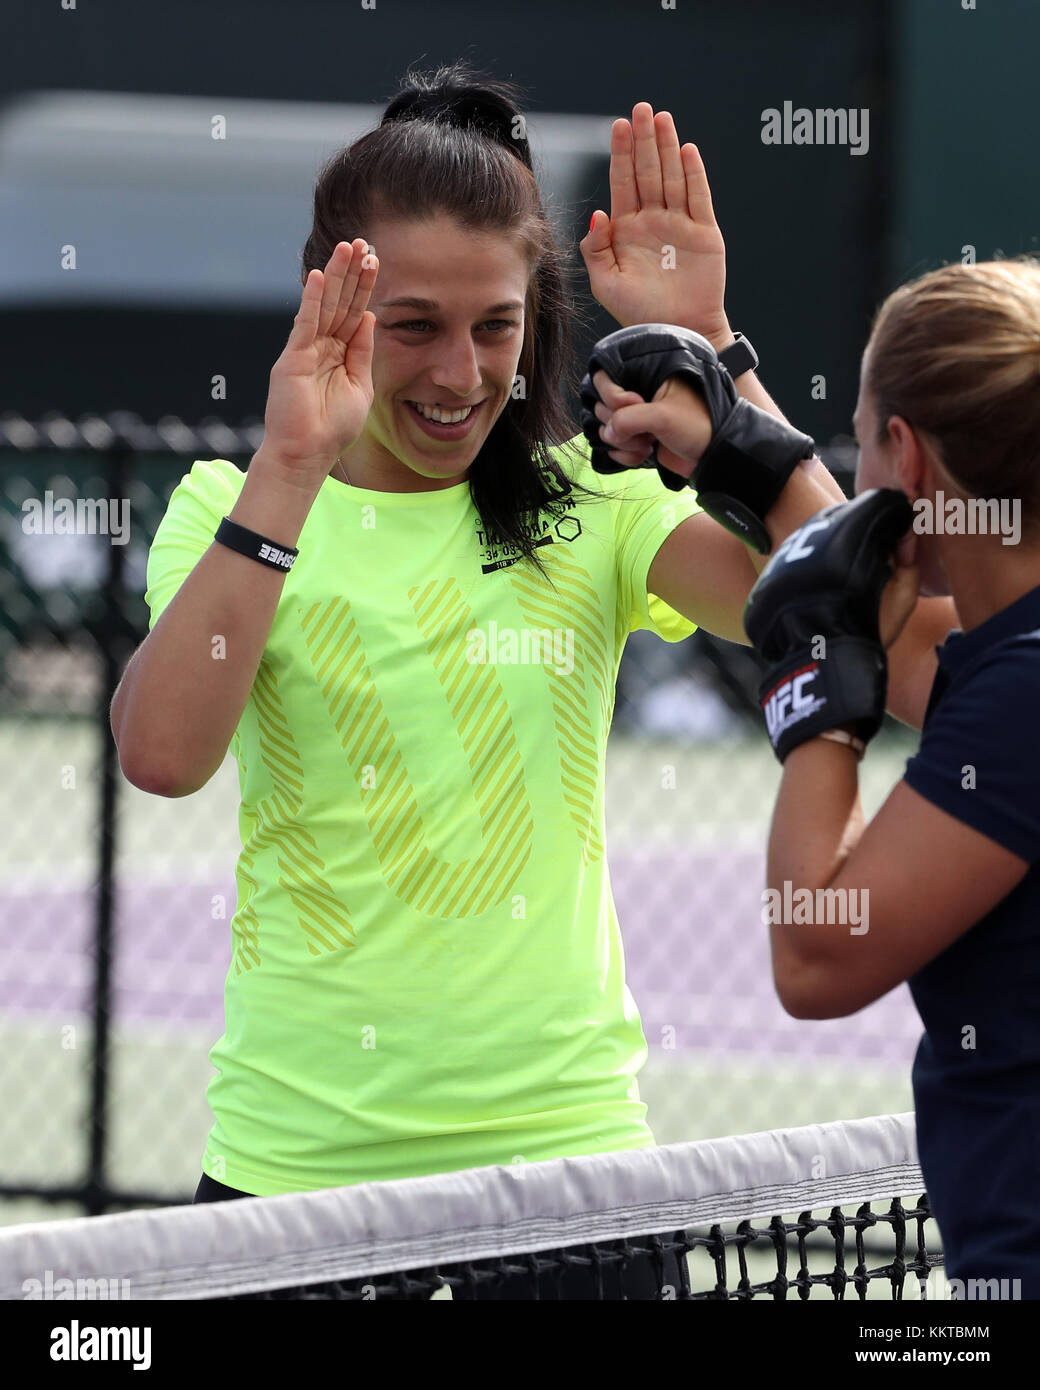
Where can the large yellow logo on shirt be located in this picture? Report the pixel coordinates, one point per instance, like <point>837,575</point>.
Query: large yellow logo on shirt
<point>275,823</point>
<point>581,699</point>
<point>427,881</point>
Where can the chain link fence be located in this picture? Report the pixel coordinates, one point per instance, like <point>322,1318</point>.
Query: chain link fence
<point>115,932</point>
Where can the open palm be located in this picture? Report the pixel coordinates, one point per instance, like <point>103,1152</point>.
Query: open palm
<point>320,391</point>
<point>660,256</point>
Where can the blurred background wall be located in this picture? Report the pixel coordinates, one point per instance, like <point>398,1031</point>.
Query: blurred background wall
<point>805,228</point>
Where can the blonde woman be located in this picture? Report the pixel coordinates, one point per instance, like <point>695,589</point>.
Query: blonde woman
<point>948,421</point>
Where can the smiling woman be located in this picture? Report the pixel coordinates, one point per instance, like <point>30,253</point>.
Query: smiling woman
<point>422,590</point>
<point>449,375</point>
<point>427,970</point>
<point>446,413</point>
<point>472,314</point>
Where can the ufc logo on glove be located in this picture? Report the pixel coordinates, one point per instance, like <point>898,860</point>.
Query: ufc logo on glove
<point>791,701</point>
<point>844,556</point>
<point>796,546</point>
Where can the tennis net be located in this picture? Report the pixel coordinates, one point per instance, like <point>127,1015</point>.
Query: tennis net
<point>833,1210</point>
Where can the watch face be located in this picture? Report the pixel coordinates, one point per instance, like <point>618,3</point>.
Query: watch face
<point>739,357</point>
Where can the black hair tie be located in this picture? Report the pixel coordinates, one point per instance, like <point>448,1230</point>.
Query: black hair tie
<point>486,115</point>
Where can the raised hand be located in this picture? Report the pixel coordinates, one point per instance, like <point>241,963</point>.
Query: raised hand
<point>660,256</point>
<point>321,386</point>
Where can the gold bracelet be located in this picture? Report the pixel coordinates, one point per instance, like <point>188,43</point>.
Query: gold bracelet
<point>850,740</point>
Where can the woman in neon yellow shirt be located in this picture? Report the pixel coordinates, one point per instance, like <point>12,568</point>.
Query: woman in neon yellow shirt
<point>417,677</point>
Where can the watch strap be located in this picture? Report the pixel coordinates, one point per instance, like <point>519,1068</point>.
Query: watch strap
<point>739,357</point>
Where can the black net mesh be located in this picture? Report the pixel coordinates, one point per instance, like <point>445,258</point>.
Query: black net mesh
<point>877,1251</point>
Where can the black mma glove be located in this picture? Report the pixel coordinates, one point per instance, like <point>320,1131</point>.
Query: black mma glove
<point>752,453</point>
<point>813,615</point>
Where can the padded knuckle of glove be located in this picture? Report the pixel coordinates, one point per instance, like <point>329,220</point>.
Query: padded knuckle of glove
<point>752,453</point>
<point>641,359</point>
<point>813,615</point>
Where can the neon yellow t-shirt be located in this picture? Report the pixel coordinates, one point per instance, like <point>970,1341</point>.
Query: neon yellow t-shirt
<point>427,971</point>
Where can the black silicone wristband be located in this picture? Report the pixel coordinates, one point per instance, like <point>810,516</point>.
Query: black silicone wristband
<point>255,546</point>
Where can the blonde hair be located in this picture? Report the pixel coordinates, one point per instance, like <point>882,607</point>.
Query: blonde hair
<point>956,353</point>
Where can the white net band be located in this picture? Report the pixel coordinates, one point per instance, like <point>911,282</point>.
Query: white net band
<point>223,1248</point>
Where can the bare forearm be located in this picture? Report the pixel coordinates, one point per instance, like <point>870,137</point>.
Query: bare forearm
<point>748,384</point>
<point>912,662</point>
<point>817,820</point>
<point>817,823</point>
<point>183,693</point>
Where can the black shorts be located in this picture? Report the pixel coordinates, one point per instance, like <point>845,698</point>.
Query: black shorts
<point>209,1190</point>
<point>642,1277</point>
